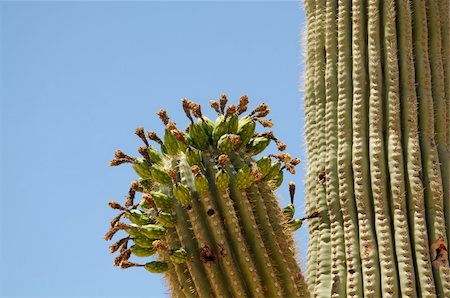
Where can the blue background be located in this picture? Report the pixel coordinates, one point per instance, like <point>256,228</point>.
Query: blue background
<point>78,77</point>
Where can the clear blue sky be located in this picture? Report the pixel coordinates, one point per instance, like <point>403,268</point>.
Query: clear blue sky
<point>77,78</point>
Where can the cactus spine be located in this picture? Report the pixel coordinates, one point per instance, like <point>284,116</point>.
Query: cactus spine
<point>208,218</point>
<point>377,128</point>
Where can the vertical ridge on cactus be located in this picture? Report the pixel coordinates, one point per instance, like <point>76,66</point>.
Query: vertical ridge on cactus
<point>378,168</point>
<point>208,218</point>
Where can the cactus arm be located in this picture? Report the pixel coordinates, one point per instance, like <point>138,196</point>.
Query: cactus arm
<point>173,282</point>
<point>431,174</point>
<point>283,234</point>
<point>194,265</point>
<point>287,277</point>
<point>444,10</point>
<point>179,272</point>
<point>338,268</point>
<point>344,159</point>
<point>205,242</point>
<point>311,139</point>
<point>369,254</point>
<point>210,229</point>
<point>413,166</point>
<point>395,156</point>
<point>438,60</point>
<point>377,157</point>
<point>323,279</point>
<point>254,239</point>
<point>225,205</point>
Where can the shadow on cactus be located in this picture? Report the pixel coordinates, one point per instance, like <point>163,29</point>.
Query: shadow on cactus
<point>208,214</point>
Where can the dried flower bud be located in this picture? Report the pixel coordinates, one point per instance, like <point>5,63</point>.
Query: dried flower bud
<point>116,205</point>
<point>163,116</point>
<point>141,134</point>
<point>222,159</point>
<point>223,102</point>
<point>215,105</point>
<point>292,191</point>
<point>154,137</point>
<point>243,104</point>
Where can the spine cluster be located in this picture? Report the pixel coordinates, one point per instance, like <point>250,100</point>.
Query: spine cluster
<point>208,217</point>
<point>377,128</point>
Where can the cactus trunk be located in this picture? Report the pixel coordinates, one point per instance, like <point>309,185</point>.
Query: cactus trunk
<point>208,210</point>
<point>377,128</point>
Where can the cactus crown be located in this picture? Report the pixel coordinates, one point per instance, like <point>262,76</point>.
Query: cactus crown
<point>191,186</point>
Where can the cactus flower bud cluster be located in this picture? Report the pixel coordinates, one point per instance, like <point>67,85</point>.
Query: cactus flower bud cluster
<point>207,216</point>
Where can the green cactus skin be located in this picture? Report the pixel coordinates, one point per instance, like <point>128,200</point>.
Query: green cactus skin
<point>377,128</point>
<point>209,219</point>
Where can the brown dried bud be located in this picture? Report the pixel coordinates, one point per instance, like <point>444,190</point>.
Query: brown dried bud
<point>143,151</point>
<point>154,137</point>
<point>292,191</point>
<point>163,116</point>
<point>179,136</point>
<point>141,134</point>
<point>117,162</point>
<point>171,125</point>
<point>215,105</point>
<point>280,145</point>
<point>231,110</point>
<point>223,102</point>
<point>160,245</point>
<point>290,168</point>
<point>130,198</point>
<point>187,109</point>
<point>196,110</point>
<point>196,170</point>
<point>127,264</point>
<point>115,220</point>
<point>243,104</point>
<point>256,171</point>
<point>113,248</point>
<point>116,205</point>
<point>265,122</point>
<point>235,139</point>
<point>111,233</point>
<point>222,159</point>
<point>295,161</point>
<point>136,186</point>
<point>173,174</point>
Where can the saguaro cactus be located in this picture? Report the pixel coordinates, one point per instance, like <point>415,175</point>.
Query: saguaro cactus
<point>377,127</point>
<point>208,210</point>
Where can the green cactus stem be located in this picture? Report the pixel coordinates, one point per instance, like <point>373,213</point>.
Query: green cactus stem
<point>377,128</point>
<point>208,218</point>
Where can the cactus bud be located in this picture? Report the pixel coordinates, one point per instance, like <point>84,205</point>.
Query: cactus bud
<point>142,252</point>
<point>156,267</point>
<point>225,145</point>
<point>193,156</point>
<point>278,180</point>
<point>222,180</point>
<point>244,178</point>
<point>161,200</point>
<point>167,219</point>
<point>264,165</point>
<point>201,183</point>
<point>198,136</point>
<point>179,256</point>
<point>153,231</point>
<point>160,175</point>
<point>273,172</point>
<point>296,224</point>
<point>182,194</point>
<point>143,241</point>
<point>170,142</point>
<point>232,123</point>
<point>142,168</point>
<point>258,144</point>
<point>220,128</point>
<point>246,129</point>
<point>137,217</point>
<point>289,211</point>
